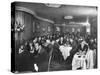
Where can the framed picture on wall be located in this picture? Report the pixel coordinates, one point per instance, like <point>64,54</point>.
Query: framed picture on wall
<point>50,37</point>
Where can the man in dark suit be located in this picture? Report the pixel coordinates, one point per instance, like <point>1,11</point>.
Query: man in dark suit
<point>83,46</point>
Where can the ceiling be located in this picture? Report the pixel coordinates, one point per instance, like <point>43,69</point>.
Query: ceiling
<point>79,13</point>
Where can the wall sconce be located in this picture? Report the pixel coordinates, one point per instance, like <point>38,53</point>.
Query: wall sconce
<point>43,29</point>
<point>57,29</point>
<point>19,26</point>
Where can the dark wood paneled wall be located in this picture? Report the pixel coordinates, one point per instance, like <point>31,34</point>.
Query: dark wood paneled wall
<point>36,27</point>
<point>26,19</point>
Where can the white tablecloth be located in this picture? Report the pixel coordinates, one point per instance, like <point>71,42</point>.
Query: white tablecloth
<point>78,61</point>
<point>65,50</point>
<point>84,61</point>
<point>90,59</point>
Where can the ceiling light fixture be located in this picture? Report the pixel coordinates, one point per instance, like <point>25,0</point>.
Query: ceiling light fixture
<point>53,5</point>
<point>68,17</point>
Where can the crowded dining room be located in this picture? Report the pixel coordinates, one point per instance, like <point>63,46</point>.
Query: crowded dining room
<point>53,37</point>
